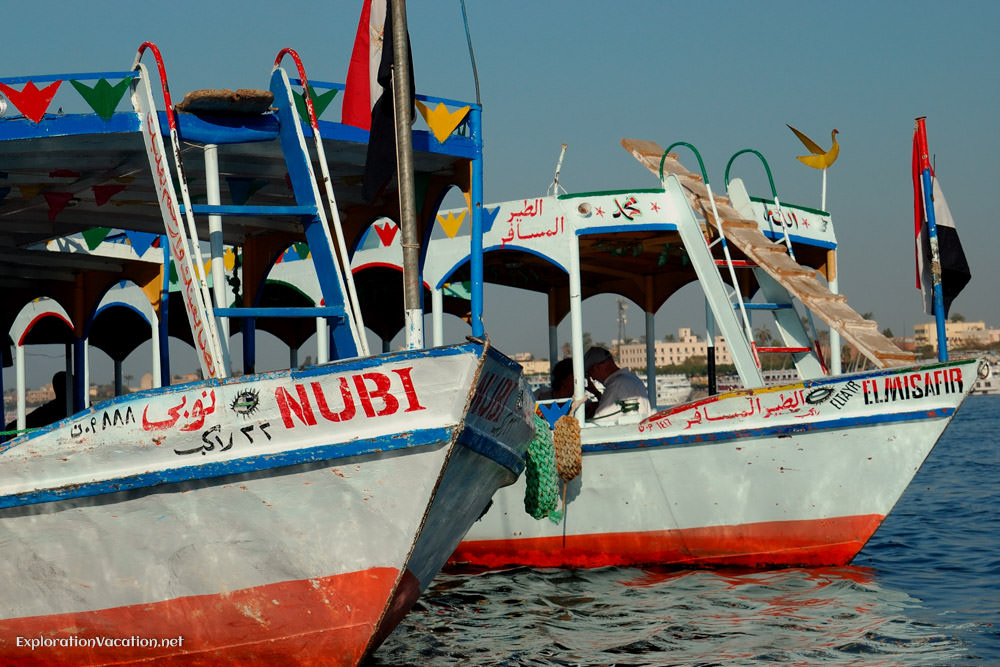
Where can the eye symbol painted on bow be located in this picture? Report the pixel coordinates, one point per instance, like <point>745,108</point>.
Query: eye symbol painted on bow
<point>246,402</point>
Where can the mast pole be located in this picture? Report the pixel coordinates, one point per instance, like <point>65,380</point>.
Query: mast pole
<point>401,95</point>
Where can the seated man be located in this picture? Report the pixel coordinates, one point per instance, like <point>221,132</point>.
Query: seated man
<point>561,382</point>
<point>624,393</point>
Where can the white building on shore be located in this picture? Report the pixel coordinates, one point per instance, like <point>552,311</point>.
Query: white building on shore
<point>670,353</point>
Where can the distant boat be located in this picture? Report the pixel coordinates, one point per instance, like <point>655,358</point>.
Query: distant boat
<point>988,383</point>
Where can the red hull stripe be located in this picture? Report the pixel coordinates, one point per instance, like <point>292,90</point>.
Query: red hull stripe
<point>323,621</point>
<point>819,542</point>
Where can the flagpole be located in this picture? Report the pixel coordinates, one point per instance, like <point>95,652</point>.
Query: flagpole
<point>924,165</point>
<point>401,95</point>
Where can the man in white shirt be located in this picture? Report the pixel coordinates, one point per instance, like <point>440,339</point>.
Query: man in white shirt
<point>624,398</point>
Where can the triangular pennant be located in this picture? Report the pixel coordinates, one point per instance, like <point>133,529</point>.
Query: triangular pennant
<point>489,217</point>
<point>553,411</point>
<point>31,101</point>
<point>103,98</point>
<point>94,237</point>
<point>141,241</point>
<point>102,193</point>
<point>241,188</point>
<point>441,121</point>
<point>320,102</point>
<point>386,233</point>
<point>57,202</point>
<point>29,192</point>
<point>302,250</point>
<point>459,290</point>
<point>451,223</point>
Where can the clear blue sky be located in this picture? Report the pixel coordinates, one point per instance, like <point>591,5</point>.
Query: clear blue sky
<point>721,75</point>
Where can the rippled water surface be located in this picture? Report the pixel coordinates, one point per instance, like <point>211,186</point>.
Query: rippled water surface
<point>924,591</point>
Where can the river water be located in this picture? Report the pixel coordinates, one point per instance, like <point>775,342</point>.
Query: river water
<point>924,591</point>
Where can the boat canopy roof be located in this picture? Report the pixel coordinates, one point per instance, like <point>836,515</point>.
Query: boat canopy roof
<point>79,212</point>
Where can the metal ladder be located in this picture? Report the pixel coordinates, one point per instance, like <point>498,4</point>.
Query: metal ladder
<point>342,316</point>
<point>716,291</point>
<point>796,341</point>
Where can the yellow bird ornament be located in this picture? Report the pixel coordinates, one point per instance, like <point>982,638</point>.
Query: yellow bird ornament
<point>820,159</point>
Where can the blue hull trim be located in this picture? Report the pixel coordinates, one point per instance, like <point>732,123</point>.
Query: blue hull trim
<point>780,431</point>
<point>250,464</point>
<point>493,450</point>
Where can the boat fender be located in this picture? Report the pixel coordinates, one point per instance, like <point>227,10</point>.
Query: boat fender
<point>541,493</point>
<point>569,455</point>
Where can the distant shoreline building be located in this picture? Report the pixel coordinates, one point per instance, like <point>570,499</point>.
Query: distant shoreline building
<point>958,334</point>
<point>673,353</point>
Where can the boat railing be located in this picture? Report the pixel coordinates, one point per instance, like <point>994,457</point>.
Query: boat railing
<point>788,246</point>
<point>34,102</point>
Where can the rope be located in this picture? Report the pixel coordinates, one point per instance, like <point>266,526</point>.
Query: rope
<point>566,439</point>
<point>541,494</point>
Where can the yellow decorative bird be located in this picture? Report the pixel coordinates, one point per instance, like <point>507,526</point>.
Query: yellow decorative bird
<point>820,159</point>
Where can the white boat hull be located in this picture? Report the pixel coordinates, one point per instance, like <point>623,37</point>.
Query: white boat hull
<point>800,475</point>
<point>312,545</point>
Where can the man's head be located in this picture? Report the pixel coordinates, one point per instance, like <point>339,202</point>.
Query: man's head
<point>598,363</point>
<point>562,379</point>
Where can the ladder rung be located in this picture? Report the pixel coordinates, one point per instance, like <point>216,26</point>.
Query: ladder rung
<point>737,263</point>
<point>764,306</point>
<point>230,209</point>
<point>318,311</point>
<point>784,349</point>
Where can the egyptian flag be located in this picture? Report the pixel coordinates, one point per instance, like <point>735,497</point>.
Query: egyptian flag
<point>362,87</point>
<point>368,94</point>
<point>955,272</point>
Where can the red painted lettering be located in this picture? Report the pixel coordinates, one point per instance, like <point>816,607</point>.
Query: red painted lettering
<point>381,390</point>
<point>345,392</point>
<point>411,393</point>
<point>288,406</point>
<point>955,375</point>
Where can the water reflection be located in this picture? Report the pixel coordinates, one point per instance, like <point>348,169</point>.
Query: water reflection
<point>661,617</point>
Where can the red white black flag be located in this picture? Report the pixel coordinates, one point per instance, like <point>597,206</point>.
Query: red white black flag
<point>369,87</point>
<point>955,273</point>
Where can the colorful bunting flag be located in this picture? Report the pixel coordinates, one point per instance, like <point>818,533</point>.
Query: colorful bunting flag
<point>451,223</point>
<point>386,233</point>
<point>320,102</point>
<point>94,237</point>
<point>103,98</point>
<point>441,121</point>
<point>102,193</point>
<point>29,192</point>
<point>31,101</point>
<point>489,217</point>
<point>57,202</point>
<point>141,241</point>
